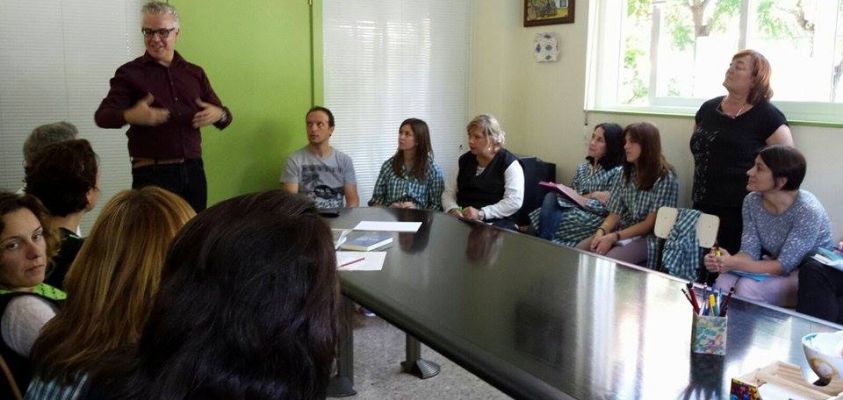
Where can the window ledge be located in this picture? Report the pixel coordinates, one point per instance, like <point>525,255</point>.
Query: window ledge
<point>681,112</point>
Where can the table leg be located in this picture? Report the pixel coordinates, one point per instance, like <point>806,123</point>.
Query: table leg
<point>416,365</point>
<point>342,384</point>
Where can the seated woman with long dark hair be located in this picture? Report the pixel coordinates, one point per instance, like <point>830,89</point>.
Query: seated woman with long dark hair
<point>648,183</point>
<point>559,219</point>
<point>410,178</point>
<point>781,225</point>
<point>247,309</point>
<point>113,283</point>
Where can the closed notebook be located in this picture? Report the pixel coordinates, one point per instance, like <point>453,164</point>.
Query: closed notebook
<point>339,236</point>
<point>567,192</point>
<point>366,240</point>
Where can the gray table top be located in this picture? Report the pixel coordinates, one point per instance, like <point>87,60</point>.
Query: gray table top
<point>541,321</point>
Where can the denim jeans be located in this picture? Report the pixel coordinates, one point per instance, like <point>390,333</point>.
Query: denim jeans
<point>549,216</point>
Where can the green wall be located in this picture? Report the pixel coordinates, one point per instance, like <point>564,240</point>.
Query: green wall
<point>257,55</point>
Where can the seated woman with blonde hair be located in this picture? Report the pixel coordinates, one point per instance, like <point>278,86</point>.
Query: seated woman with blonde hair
<point>488,184</point>
<point>781,226</point>
<point>113,283</point>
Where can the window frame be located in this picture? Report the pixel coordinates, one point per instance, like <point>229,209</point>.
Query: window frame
<point>603,69</point>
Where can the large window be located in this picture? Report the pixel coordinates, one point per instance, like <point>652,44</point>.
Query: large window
<point>388,61</point>
<point>669,55</point>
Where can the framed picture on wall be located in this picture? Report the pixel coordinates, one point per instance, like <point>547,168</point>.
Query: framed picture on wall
<point>548,12</point>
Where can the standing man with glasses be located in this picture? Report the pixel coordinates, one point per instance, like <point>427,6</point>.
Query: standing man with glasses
<point>165,100</point>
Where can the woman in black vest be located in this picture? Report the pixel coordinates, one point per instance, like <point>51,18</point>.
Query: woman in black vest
<point>26,302</point>
<point>489,182</point>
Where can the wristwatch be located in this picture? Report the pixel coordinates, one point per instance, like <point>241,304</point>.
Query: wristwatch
<point>224,117</point>
<point>482,215</point>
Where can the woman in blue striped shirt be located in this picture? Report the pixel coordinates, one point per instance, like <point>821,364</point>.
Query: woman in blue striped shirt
<point>563,222</point>
<point>410,178</point>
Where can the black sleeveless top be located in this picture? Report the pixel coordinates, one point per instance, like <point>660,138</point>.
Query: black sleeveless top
<point>487,188</point>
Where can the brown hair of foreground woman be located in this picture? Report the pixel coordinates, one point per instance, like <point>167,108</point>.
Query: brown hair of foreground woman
<point>113,283</point>
<point>248,308</point>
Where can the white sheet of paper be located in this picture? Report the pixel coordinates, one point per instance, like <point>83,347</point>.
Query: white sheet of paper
<point>388,226</point>
<point>371,260</point>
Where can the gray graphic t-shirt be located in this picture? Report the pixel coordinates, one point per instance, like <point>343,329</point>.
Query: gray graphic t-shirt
<point>321,179</point>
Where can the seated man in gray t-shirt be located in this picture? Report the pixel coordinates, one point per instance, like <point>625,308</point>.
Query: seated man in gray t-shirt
<point>319,171</point>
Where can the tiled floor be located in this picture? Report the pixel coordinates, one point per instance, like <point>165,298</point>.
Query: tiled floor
<point>378,352</point>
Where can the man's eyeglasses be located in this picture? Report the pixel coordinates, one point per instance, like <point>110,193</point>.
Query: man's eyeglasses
<point>161,33</point>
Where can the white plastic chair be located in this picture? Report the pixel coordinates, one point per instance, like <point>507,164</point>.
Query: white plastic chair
<point>706,229</point>
<point>706,226</point>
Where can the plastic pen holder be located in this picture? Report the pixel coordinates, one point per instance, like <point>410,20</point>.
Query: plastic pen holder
<point>708,334</point>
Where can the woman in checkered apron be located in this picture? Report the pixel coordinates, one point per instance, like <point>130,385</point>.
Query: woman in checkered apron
<point>559,219</point>
<point>648,182</point>
<point>410,178</point>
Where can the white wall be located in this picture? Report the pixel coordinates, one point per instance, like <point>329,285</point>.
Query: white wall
<point>540,105</point>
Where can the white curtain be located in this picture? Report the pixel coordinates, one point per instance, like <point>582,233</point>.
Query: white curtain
<point>56,57</point>
<point>386,61</point>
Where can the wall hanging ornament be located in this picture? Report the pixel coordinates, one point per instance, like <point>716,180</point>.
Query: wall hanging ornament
<point>546,47</point>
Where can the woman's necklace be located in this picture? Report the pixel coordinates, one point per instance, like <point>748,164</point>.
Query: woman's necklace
<point>735,115</point>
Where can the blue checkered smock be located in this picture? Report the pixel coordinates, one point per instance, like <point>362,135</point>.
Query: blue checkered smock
<point>633,205</point>
<point>577,223</point>
<point>391,188</point>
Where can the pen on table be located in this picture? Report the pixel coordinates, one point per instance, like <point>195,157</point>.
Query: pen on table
<point>726,302</point>
<point>352,262</point>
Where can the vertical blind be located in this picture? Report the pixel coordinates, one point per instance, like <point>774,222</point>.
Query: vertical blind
<point>56,57</point>
<point>386,61</point>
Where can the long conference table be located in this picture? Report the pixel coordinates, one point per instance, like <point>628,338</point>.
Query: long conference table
<point>541,321</point>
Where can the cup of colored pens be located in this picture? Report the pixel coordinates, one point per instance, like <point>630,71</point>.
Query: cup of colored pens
<point>708,329</point>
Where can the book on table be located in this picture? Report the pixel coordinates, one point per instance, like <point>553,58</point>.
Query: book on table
<point>366,240</point>
<point>340,235</point>
<point>567,192</point>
